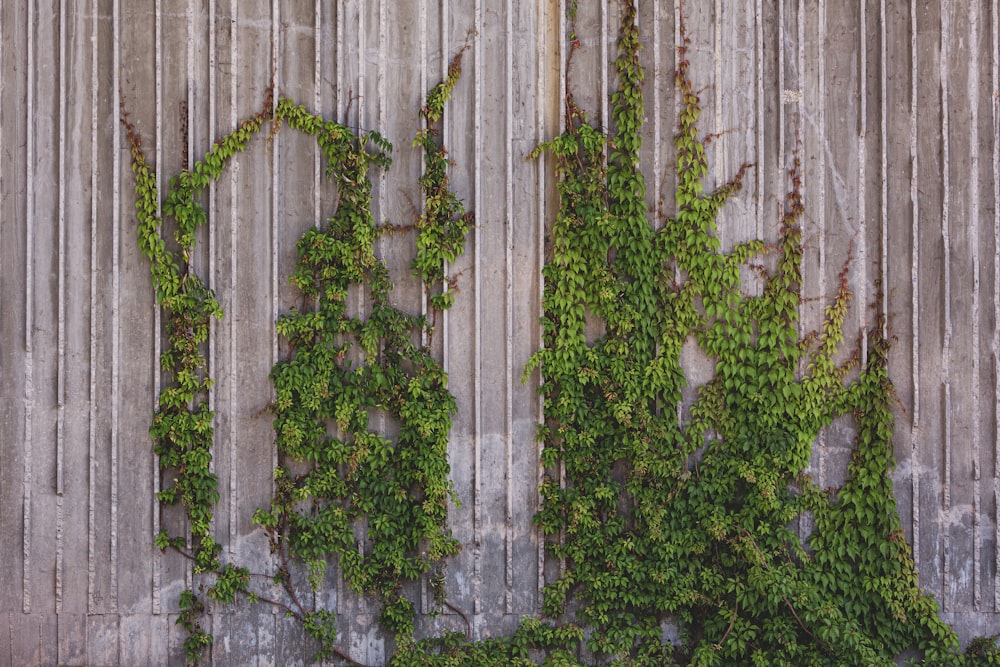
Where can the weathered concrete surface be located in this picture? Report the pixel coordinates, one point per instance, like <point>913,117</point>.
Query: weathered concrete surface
<point>894,108</point>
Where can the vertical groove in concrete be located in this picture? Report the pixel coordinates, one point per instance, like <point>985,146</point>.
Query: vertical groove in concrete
<point>915,301</point>
<point>605,36</point>
<point>61,306</point>
<point>973,130</point>
<point>29,305</point>
<point>946,256</point>
<point>275,171</point>
<point>819,210</point>
<point>718,164</point>
<point>779,155</point>
<point>563,91</point>
<point>155,509</point>
<point>995,99</point>
<point>658,209</point>
<point>116,307</point>
<point>861,300</point>
<point>213,324</point>
<point>61,317</point>
<point>477,519</point>
<point>425,592</point>
<point>804,270</point>
<point>275,149</point>
<point>317,107</point>
<point>541,68</point>
<point>422,45</point>
<point>509,299</point>
<point>234,463</point>
<point>339,84</point>
<point>188,163</point>
<point>92,394</point>
<point>759,121</point>
<point>446,139</point>
<point>884,169</point>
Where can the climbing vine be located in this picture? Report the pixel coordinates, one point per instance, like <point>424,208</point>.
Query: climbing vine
<point>665,517</point>
<point>338,475</point>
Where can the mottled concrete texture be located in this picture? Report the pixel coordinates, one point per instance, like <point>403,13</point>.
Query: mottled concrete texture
<point>892,106</point>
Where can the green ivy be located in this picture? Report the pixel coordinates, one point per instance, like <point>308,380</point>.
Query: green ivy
<point>663,516</point>
<point>337,473</point>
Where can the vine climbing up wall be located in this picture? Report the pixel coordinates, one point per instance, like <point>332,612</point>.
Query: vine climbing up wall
<point>666,519</point>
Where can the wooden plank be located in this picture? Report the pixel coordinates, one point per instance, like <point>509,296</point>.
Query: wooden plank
<point>930,174</point>
<point>492,363</point>
<point>79,210</point>
<point>895,110</point>
<point>137,585</point>
<point>13,270</point>
<point>251,313</point>
<point>45,265</point>
<point>960,228</point>
<point>524,226</point>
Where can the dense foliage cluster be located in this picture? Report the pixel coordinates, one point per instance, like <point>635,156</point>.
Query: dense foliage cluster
<point>686,518</point>
<point>346,367</point>
<point>668,519</point>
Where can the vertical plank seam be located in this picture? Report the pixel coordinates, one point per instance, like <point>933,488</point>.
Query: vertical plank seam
<point>761,164</point>
<point>317,151</point>
<point>275,213</point>
<point>943,63</point>
<point>233,236</point>
<point>362,98</point>
<point>974,148</point>
<point>116,319</point>
<point>540,70</point>
<point>213,324</point>
<point>509,269</point>
<point>477,379</point>
<point>116,314</point>
<point>380,123</point>
<point>861,303</point>
<point>995,35</point>
<point>158,112</point>
<point>605,36</point>
<point>820,214</point>
<point>341,117</point>
<point>718,164</point>
<point>563,110</point>
<point>915,299</point>
<point>317,106</point>
<point>779,155</point>
<point>29,305</point>
<point>61,318</point>
<point>884,150</point>
<point>188,163</point>
<point>425,593</point>
<point>91,410</point>
<point>657,121</point>
<point>339,83</point>
<point>446,140</point>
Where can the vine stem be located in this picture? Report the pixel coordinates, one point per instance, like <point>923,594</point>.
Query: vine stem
<point>763,560</point>
<point>468,625</point>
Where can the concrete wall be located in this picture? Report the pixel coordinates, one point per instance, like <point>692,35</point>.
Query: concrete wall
<point>894,107</point>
